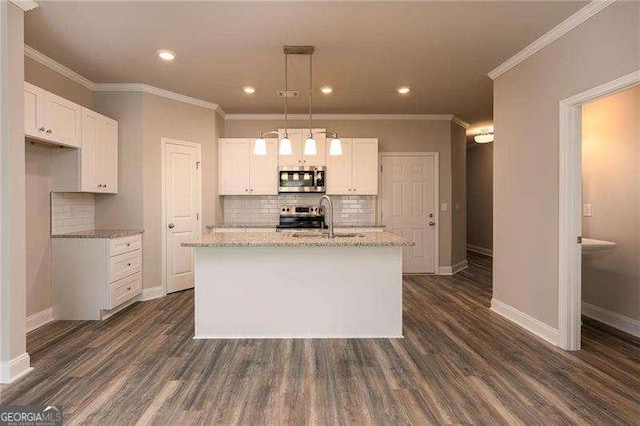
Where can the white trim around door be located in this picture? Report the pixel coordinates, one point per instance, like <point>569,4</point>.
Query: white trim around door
<point>164,142</point>
<point>436,196</point>
<point>570,207</point>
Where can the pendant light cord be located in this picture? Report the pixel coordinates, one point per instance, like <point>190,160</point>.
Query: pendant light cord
<point>310,95</point>
<point>286,94</point>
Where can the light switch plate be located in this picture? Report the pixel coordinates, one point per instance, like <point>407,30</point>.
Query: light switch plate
<point>457,207</point>
<point>445,207</point>
<point>586,210</point>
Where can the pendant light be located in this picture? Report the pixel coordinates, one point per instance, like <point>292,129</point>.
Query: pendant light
<point>310,145</point>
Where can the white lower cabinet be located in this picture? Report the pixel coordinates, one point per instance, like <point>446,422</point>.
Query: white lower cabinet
<point>94,275</point>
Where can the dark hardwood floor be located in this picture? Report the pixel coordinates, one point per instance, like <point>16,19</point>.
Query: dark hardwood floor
<point>458,363</point>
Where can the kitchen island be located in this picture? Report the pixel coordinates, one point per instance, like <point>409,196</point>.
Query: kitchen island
<point>287,285</point>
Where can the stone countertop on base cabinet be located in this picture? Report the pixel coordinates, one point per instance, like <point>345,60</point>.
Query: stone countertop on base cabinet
<point>101,233</point>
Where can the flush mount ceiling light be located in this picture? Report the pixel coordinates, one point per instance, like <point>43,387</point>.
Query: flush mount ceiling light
<point>326,90</point>
<point>310,145</point>
<point>484,137</point>
<point>166,55</point>
<point>249,90</point>
<point>404,90</point>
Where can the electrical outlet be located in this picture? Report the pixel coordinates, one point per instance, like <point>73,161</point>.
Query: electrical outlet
<point>586,210</point>
<point>445,207</point>
<point>457,207</point>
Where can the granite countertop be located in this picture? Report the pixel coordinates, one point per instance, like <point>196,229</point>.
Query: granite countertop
<point>269,226</point>
<point>281,239</point>
<point>100,233</point>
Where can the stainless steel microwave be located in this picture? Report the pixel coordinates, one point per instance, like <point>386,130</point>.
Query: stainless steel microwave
<point>302,179</point>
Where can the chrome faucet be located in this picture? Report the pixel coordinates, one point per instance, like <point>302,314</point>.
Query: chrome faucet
<point>326,197</point>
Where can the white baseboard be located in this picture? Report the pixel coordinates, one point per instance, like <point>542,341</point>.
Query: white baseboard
<point>621,322</point>
<point>525,321</point>
<point>480,250</point>
<point>150,293</point>
<point>451,270</point>
<point>39,319</point>
<point>12,370</point>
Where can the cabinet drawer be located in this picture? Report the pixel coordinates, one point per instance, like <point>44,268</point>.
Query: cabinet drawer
<point>125,245</point>
<point>124,265</point>
<point>124,289</point>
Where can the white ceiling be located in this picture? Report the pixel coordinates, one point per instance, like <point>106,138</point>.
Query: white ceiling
<point>364,50</point>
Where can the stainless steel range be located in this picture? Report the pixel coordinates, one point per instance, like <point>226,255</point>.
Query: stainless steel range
<point>296,218</point>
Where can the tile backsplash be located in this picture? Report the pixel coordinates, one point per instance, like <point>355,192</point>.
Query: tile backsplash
<point>71,212</point>
<point>348,209</point>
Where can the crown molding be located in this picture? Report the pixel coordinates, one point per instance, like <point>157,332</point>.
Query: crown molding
<point>460,123</point>
<point>552,35</point>
<point>351,117</point>
<point>25,5</point>
<point>43,59</point>
<point>152,90</point>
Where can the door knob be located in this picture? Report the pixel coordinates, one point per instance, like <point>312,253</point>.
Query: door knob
<point>432,224</point>
<point>171,226</point>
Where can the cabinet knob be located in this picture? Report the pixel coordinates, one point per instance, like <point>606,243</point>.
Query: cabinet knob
<point>246,190</point>
<point>49,130</point>
<point>128,264</point>
<point>171,226</point>
<point>128,288</point>
<point>252,190</point>
<point>41,129</point>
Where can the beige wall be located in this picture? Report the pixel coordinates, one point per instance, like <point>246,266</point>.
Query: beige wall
<point>49,80</point>
<point>480,195</point>
<point>12,195</point>
<point>394,136</point>
<point>459,194</point>
<point>611,184</point>
<point>165,118</point>
<point>526,160</point>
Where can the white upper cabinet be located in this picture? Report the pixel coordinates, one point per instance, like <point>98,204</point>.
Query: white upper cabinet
<point>99,153</point>
<point>339,170</point>
<point>242,172</point>
<point>50,118</point>
<point>234,166</point>
<point>355,172</point>
<point>297,158</point>
<point>364,172</point>
<point>263,170</point>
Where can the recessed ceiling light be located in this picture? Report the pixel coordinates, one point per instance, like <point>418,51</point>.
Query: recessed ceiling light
<point>404,90</point>
<point>326,90</point>
<point>249,90</point>
<point>166,55</point>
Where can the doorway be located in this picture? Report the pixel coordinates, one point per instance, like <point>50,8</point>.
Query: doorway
<point>181,212</point>
<point>571,208</point>
<point>409,206</point>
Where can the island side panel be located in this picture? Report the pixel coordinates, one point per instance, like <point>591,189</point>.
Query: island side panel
<point>298,292</point>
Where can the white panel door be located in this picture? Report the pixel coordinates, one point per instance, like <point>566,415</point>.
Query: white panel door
<point>33,103</point>
<point>182,211</point>
<point>409,207</point>
<point>295,159</point>
<point>234,166</point>
<point>364,171</point>
<point>90,152</point>
<point>264,170</point>
<point>62,120</point>
<point>339,170</point>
